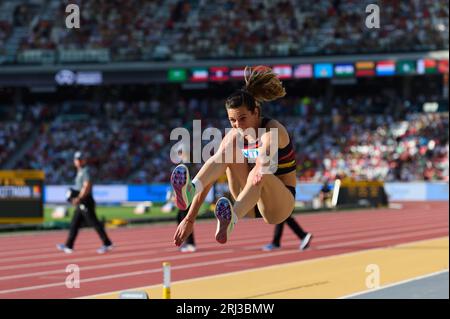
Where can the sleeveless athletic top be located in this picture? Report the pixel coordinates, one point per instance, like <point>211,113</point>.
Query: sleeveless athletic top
<point>286,155</point>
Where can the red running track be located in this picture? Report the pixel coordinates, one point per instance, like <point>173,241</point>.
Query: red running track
<point>31,267</point>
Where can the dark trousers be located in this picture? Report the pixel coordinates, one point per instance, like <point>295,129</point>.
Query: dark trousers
<point>86,212</point>
<point>180,216</point>
<point>296,228</point>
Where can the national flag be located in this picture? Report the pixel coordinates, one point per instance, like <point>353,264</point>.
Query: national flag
<point>443,66</point>
<point>218,74</point>
<point>199,75</point>
<point>323,70</point>
<point>385,67</point>
<point>176,75</point>
<point>303,71</point>
<point>344,70</point>
<point>365,68</point>
<point>406,67</point>
<point>283,71</point>
<point>425,66</point>
<point>237,73</point>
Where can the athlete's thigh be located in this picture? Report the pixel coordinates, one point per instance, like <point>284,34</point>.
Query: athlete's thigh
<point>237,175</point>
<point>276,202</point>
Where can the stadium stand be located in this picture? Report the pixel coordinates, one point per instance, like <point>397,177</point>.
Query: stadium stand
<point>387,136</point>
<point>125,140</point>
<point>194,29</point>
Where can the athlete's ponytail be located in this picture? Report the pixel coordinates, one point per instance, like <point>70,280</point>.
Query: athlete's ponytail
<point>261,85</point>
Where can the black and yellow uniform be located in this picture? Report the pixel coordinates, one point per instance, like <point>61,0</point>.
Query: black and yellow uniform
<point>286,155</point>
<point>286,159</point>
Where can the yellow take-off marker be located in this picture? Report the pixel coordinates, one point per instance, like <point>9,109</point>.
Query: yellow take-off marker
<point>166,280</point>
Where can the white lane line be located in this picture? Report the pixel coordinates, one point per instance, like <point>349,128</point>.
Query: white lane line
<point>236,243</point>
<point>136,273</point>
<point>394,284</point>
<point>269,267</point>
<point>247,224</point>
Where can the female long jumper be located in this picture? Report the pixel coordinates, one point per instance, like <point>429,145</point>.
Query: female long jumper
<point>257,185</point>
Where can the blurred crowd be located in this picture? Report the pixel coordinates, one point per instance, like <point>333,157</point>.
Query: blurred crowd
<point>190,29</point>
<point>5,31</point>
<point>130,141</point>
<point>374,147</point>
<point>115,148</point>
<point>12,135</point>
<point>18,124</point>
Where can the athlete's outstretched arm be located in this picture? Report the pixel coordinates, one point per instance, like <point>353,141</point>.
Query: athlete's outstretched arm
<point>262,164</point>
<point>186,226</point>
<point>217,164</point>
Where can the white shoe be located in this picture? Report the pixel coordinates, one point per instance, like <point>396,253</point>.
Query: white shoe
<point>104,249</point>
<point>64,248</point>
<point>306,242</point>
<point>188,248</point>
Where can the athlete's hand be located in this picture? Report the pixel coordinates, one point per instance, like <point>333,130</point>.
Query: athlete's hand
<point>259,173</point>
<point>75,201</point>
<point>184,229</point>
<point>257,178</point>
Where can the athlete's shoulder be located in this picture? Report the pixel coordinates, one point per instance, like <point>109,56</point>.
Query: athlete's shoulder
<point>231,134</point>
<point>273,123</point>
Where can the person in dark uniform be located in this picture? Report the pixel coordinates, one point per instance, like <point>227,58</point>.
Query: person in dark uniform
<point>84,203</point>
<point>296,228</point>
<point>325,194</point>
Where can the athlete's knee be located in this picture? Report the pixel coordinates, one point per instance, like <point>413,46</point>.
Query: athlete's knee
<point>280,216</point>
<point>274,220</point>
<point>251,177</point>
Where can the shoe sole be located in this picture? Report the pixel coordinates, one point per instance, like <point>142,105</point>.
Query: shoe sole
<point>223,215</point>
<point>178,179</point>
